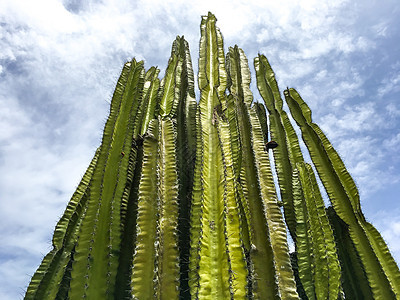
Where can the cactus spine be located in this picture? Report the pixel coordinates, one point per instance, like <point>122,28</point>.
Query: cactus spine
<point>179,201</point>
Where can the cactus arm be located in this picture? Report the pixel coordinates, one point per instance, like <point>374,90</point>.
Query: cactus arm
<point>121,191</point>
<point>326,265</point>
<point>240,75</point>
<point>65,226</point>
<point>269,92</point>
<point>142,112</point>
<point>333,266</point>
<point>156,258</point>
<point>283,169</point>
<point>233,221</point>
<point>190,103</point>
<point>355,283</point>
<point>145,252</point>
<point>209,56</point>
<point>239,87</point>
<point>188,68</point>
<point>196,212</point>
<point>385,258</point>
<point>78,280</point>
<point>262,117</point>
<point>236,150</point>
<point>38,277</point>
<point>320,230</point>
<point>276,226</point>
<point>179,79</point>
<point>269,78</point>
<point>245,76</point>
<point>320,271</point>
<point>295,155</point>
<point>222,73</point>
<point>185,155</point>
<point>337,163</point>
<point>100,234</point>
<point>43,277</point>
<point>129,217</point>
<point>234,131</point>
<point>46,280</point>
<point>213,264</point>
<point>63,286</point>
<point>374,237</point>
<point>152,85</point>
<point>379,283</point>
<point>168,85</point>
<point>167,273</point>
<point>117,174</point>
<point>62,267</point>
<point>304,247</point>
<point>262,265</point>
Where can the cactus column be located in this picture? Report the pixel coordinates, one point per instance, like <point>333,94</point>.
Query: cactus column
<point>179,201</point>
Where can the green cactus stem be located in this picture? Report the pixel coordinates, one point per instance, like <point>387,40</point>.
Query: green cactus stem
<point>382,272</point>
<point>180,202</point>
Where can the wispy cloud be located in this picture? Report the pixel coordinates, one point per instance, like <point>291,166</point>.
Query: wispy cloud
<point>391,84</point>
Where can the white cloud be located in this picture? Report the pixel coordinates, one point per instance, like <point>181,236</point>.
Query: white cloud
<point>393,143</point>
<point>393,110</point>
<point>390,84</point>
<point>368,156</point>
<point>352,119</point>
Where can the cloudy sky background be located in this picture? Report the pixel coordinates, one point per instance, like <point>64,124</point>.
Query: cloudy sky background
<point>59,62</point>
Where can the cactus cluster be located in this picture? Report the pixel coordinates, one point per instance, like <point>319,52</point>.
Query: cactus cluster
<point>179,200</point>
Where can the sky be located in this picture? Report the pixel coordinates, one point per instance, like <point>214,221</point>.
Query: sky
<point>60,60</point>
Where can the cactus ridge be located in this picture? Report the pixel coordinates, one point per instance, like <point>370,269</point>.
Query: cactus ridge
<point>276,226</point>
<point>326,265</point>
<point>237,261</point>
<point>269,91</point>
<point>319,276</point>
<point>325,164</point>
<point>179,201</point>
<point>355,283</point>
<point>196,212</point>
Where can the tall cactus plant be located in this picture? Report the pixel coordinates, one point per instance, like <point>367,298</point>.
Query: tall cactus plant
<point>179,201</point>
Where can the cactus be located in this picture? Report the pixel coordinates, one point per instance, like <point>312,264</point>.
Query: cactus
<point>179,201</point>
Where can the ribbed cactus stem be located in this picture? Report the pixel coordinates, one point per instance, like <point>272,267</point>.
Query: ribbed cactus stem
<point>354,280</point>
<point>239,272</point>
<point>96,261</point>
<point>276,227</point>
<point>326,269</point>
<point>268,89</point>
<point>382,272</point>
<point>144,259</point>
<point>53,274</point>
<point>179,201</point>
<point>196,213</point>
<point>185,155</point>
<point>218,270</point>
<point>213,265</point>
<point>150,97</point>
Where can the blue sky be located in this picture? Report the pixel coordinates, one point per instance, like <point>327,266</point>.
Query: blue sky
<point>59,62</point>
